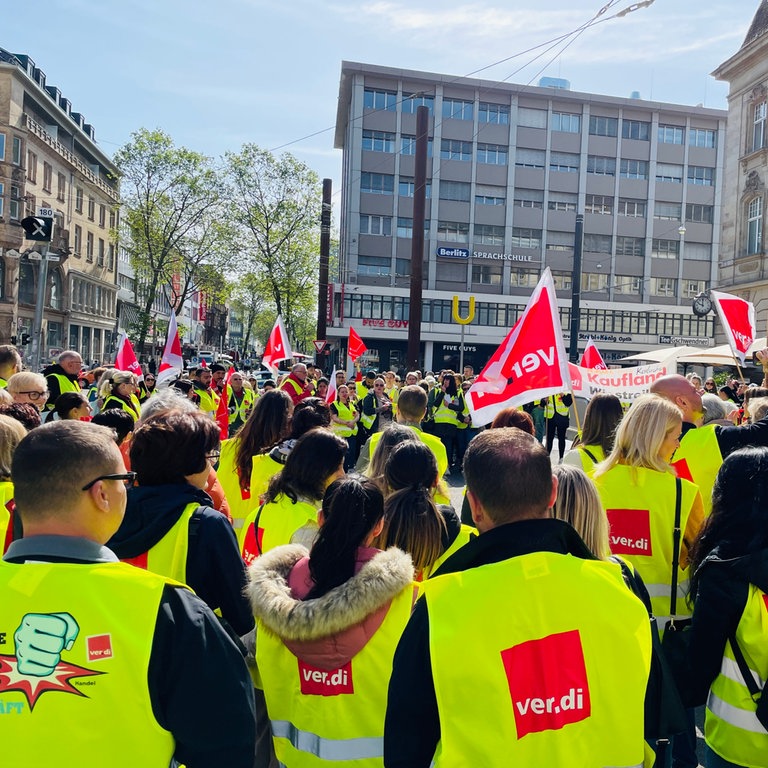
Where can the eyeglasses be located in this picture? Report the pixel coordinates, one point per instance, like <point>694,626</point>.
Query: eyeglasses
<point>33,394</point>
<point>127,477</point>
<point>213,456</point>
<point>378,386</point>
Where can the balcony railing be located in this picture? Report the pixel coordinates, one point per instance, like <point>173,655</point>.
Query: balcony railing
<point>744,269</point>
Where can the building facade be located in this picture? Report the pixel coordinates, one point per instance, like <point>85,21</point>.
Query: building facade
<point>509,168</point>
<point>49,158</point>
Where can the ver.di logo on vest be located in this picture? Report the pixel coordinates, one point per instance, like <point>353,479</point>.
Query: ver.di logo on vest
<point>630,531</point>
<point>548,683</point>
<point>325,682</point>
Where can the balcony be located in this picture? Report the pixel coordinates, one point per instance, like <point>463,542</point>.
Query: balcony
<point>752,268</point>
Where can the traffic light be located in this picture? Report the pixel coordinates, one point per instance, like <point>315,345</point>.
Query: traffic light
<point>24,339</point>
<point>14,339</point>
<point>39,228</point>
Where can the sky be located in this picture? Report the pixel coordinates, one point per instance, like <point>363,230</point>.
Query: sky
<point>215,75</point>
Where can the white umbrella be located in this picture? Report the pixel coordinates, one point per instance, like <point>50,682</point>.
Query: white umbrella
<point>661,354</point>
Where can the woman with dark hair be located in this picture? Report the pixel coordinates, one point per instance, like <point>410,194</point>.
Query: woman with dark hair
<point>601,419</point>
<point>392,436</point>
<point>729,589</point>
<point>72,405</point>
<point>267,424</point>
<point>512,417</point>
<point>447,409</point>
<point>289,512</point>
<point>338,612</point>
<point>169,526</point>
<point>344,418</point>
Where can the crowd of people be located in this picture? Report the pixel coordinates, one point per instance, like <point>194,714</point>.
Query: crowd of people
<point>303,592</point>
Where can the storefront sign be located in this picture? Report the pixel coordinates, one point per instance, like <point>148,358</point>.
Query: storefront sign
<point>686,341</point>
<point>524,257</point>
<point>381,323</point>
<point>453,253</point>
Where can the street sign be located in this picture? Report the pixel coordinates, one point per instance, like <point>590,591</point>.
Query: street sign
<point>319,344</point>
<point>34,256</point>
<point>39,228</point>
<point>53,258</point>
<point>43,211</point>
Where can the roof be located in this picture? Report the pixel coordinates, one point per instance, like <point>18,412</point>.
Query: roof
<point>759,24</point>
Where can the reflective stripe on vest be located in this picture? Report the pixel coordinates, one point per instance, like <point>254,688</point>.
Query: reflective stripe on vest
<point>443,414</point>
<point>366,420</point>
<point>328,749</point>
<point>345,413</point>
<point>240,504</point>
<point>242,407</point>
<point>698,459</point>
<point>557,407</point>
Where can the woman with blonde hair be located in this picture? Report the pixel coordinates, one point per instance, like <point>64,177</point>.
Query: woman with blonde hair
<point>117,390</point>
<point>28,387</point>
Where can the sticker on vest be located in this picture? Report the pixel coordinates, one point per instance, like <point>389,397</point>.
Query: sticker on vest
<point>682,469</point>
<point>630,531</point>
<point>37,666</point>
<point>253,544</point>
<point>325,682</point>
<point>548,683</point>
<point>99,647</point>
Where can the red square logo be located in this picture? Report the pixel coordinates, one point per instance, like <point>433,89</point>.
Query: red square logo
<point>765,600</point>
<point>630,531</point>
<point>682,469</point>
<point>253,543</point>
<point>325,682</point>
<point>99,647</point>
<point>548,683</point>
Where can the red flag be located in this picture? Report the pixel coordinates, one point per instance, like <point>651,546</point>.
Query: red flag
<point>203,364</point>
<point>222,410</point>
<point>530,363</point>
<point>331,396</point>
<point>172,363</point>
<point>278,348</point>
<point>592,357</point>
<point>738,319</point>
<point>125,359</point>
<point>355,346</point>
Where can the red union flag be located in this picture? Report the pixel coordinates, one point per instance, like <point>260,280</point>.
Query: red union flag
<point>355,346</point>
<point>125,359</point>
<point>738,319</point>
<point>172,363</point>
<point>592,357</point>
<point>530,363</point>
<point>278,347</point>
<point>331,396</point>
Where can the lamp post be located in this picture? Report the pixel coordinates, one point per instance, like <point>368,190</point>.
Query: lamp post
<point>578,242</point>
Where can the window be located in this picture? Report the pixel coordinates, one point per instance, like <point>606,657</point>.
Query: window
<point>453,231</point>
<point>375,225</point>
<point>631,208</point>
<point>378,141</point>
<point>453,149</point>
<point>529,198</point>
<point>459,191</point>
<point>492,154</point>
<point>603,126</point>
<point>402,267</point>
<point>78,244</point>
<point>563,280</point>
<point>523,278</point>
<point>61,185</point>
<point>700,213</point>
<point>2,146</point>
<point>14,212</point>
<point>627,284</point>
<point>668,211</point>
<point>566,122</point>
<point>79,199</point>
<point>531,118</point>
<point>601,166</point>
<point>560,241</point>
<point>665,249</point>
<point>669,172</point>
<point>755,226</point>
<point>89,246</point>
<point>594,281</point>
<point>634,169</point>
<point>523,237</point>
<point>701,176</point>
<point>376,99</point>
<point>47,177</point>
<point>112,219</point>
<point>702,137</point>
<point>566,162</point>
<point>486,194</point>
<point>26,283</point>
<point>406,187</point>
<point>54,290</point>
<point>758,125</point>
<point>458,109</point>
<point>111,257</point>
<point>597,243</point>
<point>493,113</point>
<point>91,208</point>
<point>530,158</point>
<point>415,100</point>
<point>31,167</point>
<point>664,286</point>
<point>408,145</point>
<point>630,246</point>
<point>16,158</point>
<point>374,266</point>
<point>405,227</point>
<point>697,251</point>
<point>562,201</point>
<point>101,253</point>
<point>102,216</point>
<point>692,288</point>
<point>671,134</point>
<point>377,183</point>
<point>635,129</point>
<point>601,204</point>
<point>486,274</point>
<point>488,234</point>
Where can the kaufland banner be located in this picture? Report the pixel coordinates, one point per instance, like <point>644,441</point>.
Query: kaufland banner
<point>626,383</point>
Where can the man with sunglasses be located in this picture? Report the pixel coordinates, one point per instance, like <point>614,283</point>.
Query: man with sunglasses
<point>136,670</point>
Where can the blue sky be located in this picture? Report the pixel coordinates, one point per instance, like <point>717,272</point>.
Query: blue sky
<point>216,75</point>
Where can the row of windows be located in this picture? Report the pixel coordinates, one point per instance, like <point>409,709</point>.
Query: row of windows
<point>457,109</point>
<point>694,212</point>
<point>500,315</point>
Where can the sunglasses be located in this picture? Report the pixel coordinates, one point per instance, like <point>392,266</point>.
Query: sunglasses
<point>127,477</point>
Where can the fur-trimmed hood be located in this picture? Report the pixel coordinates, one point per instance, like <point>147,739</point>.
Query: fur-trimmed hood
<point>327,631</point>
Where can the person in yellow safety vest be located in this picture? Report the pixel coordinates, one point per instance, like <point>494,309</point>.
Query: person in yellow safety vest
<point>730,615</point>
<point>117,391</point>
<point>289,512</point>
<point>365,385</point>
<point>328,624</point>
<point>97,653</point>
<point>391,390</point>
<point>562,668</point>
<point>30,388</point>
<point>63,375</point>
<point>208,399</point>
<point>602,417</point>
<point>240,404</point>
<point>170,527</point>
<point>557,409</point>
<point>12,432</point>
<point>297,384</point>
<point>344,418</point>
<point>10,363</point>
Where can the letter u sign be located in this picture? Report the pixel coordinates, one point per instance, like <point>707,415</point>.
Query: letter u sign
<point>455,309</point>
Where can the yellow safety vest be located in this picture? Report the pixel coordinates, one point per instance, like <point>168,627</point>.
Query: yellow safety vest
<point>466,532</point>
<point>169,556</point>
<point>322,717</point>
<point>65,385</point>
<point>6,499</point>
<point>698,459</point>
<point>587,462</point>
<point>242,407</point>
<point>209,401</point>
<point>366,419</point>
<point>433,443</point>
<point>640,504</point>
<point>394,395</point>
<point>117,402</point>
<point>557,407</point>
<point>240,504</point>
<point>96,706</point>
<point>443,414</point>
<point>276,524</point>
<point>3,383</point>
<point>346,413</point>
<point>263,469</point>
<point>294,385</point>
<point>731,728</point>
<point>562,666</point>
<point>360,389</point>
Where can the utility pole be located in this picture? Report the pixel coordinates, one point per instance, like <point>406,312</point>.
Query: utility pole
<point>325,254</point>
<point>578,242</point>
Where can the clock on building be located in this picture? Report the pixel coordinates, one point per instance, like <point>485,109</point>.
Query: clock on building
<point>702,305</point>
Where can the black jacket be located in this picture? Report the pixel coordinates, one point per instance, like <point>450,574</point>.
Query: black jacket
<point>54,390</point>
<point>215,570</point>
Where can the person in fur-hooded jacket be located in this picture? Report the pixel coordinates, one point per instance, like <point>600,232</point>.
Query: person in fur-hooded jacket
<point>328,623</point>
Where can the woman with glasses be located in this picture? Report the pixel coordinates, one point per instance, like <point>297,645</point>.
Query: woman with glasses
<point>170,526</point>
<point>376,409</point>
<point>147,387</point>
<point>28,387</point>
